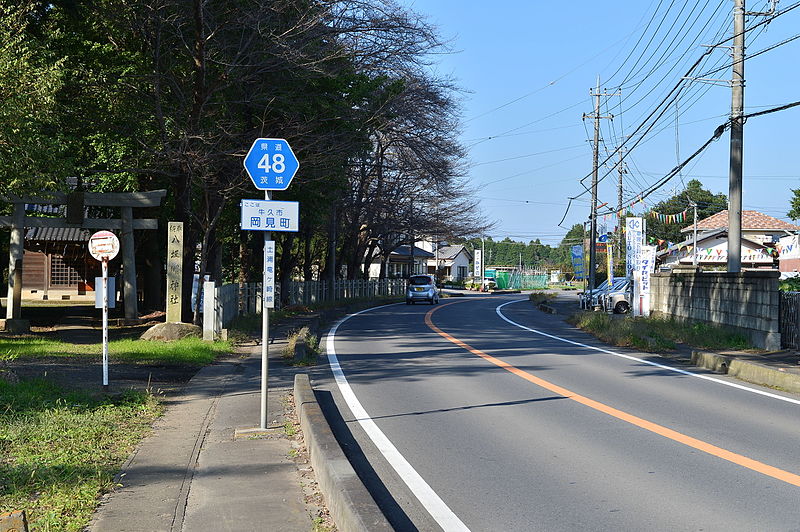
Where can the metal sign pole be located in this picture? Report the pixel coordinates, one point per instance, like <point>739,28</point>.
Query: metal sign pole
<point>105,323</point>
<point>264,329</point>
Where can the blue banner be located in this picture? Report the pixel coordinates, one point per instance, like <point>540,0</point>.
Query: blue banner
<point>577,261</point>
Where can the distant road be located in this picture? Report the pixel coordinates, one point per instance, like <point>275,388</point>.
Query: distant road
<point>461,419</point>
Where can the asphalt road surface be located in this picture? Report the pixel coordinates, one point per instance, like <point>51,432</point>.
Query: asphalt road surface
<point>486,414</point>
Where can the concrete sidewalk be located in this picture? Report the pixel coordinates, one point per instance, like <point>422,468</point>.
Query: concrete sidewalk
<point>195,473</point>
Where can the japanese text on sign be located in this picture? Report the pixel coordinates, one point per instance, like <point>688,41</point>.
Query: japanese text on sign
<point>267,215</point>
<point>269,274</point>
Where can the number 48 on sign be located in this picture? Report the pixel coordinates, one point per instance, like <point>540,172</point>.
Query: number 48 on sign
<point>271,164</point>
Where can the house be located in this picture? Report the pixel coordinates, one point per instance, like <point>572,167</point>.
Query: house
<point>399,263</point>
<point>453,262</point>
<point>760,237</point>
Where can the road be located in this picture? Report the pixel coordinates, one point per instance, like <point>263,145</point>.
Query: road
<point>486,414</point>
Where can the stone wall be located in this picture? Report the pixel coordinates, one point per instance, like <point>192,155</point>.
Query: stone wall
<point>747,302</point>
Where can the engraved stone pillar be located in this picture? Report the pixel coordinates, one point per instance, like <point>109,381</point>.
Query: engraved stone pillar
<point>174,271</point>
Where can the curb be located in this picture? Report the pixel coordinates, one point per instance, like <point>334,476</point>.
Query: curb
<point>352,507</point>
<point>747,371</point>
<point>547,308</point>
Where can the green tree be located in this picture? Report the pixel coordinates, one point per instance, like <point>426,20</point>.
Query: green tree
<point>794,213</point>
<point>31,150</point>
<point>707,205</point>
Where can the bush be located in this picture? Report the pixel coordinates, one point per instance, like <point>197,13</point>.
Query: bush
<point>790,285</point>
<point>656,334</point>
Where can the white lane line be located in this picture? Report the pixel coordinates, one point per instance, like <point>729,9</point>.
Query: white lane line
<point>656,364</point>
<point>435,506</point>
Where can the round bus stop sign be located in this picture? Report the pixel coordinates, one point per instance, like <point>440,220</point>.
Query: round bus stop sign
<point>104,245</point>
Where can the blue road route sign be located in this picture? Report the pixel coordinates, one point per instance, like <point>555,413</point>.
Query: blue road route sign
<point>271,164</point>
<point>268,215</point>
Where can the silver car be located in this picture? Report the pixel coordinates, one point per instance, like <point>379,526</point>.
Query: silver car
<point>421,288</point>
<point>618,299</point>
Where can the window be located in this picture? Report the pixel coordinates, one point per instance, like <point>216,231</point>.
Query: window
<point>62,274</point>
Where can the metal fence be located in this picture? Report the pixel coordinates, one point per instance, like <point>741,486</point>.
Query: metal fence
<point>232,300</point>
<point>790,319</point>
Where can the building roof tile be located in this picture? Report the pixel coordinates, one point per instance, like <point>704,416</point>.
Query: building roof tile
<point>751,220</point>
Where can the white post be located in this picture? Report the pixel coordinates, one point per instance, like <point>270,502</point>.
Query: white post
<point>265,328</point>
<point>208,311</point>
<point>105,323</point>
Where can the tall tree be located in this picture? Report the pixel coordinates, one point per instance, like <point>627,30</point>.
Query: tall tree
<point>707,202</point>
<point>794,212</point>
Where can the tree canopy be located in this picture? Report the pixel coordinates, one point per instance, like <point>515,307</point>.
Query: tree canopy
<point>707,205</point>
<point>144,94</point>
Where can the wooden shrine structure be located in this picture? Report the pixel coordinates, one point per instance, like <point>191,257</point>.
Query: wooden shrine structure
<point>76,203</point>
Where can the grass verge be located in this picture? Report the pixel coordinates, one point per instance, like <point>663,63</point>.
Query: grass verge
<point>656,334</point>
<point>60,450</point>
<point>187,351</point>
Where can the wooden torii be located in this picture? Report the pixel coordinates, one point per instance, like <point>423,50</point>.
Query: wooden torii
<point>76,201</point>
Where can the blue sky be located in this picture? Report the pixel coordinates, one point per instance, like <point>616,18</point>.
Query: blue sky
<point>527,68</point>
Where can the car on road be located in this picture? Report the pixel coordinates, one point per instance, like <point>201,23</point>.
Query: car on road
<point>421,288</point>
<point>489,283</point>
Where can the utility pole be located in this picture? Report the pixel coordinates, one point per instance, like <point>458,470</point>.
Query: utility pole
<point>621,169</point>
<point>595,162</point>
<point>694,247</point>
<point>737,134</point>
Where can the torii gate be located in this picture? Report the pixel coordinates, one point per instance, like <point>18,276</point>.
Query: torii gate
<point>75,202</point>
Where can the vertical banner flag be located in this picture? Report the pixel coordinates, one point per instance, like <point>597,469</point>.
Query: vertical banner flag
<point>478,264</point>
<point>634,237</point>
<point>577,261</point>
<point>647,263</point>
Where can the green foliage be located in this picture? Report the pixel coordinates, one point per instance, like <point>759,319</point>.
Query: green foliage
<point>62,449</point>
<point>31,73</point>
<point>707,205</point>
<point>790,285</point>
<point>794,212</point>
<point>188,351</point>
<point>655,334</point>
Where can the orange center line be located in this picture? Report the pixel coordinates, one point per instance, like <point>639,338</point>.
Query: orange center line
<point>700,445</point>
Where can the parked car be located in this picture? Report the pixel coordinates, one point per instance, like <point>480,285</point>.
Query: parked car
<point>489,283</point>
<point>618,298</point>
<point>588,298</point>
<point>421,288</point>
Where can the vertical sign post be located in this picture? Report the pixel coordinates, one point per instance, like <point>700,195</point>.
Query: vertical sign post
<point>104,246</point>
<point>477,270</point>
<point>174,271</point>
<point>271,165</point>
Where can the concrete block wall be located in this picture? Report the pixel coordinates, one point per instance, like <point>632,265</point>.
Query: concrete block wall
<point>746,301</point>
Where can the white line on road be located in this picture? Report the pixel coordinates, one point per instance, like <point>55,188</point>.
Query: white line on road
<point>435,506</point>
<point>656,364</point>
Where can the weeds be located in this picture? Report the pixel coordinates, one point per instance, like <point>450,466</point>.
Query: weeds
<point>657,334</point>
<point>312,348</point>
<point>187,351</point>
<point>62,449</point>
